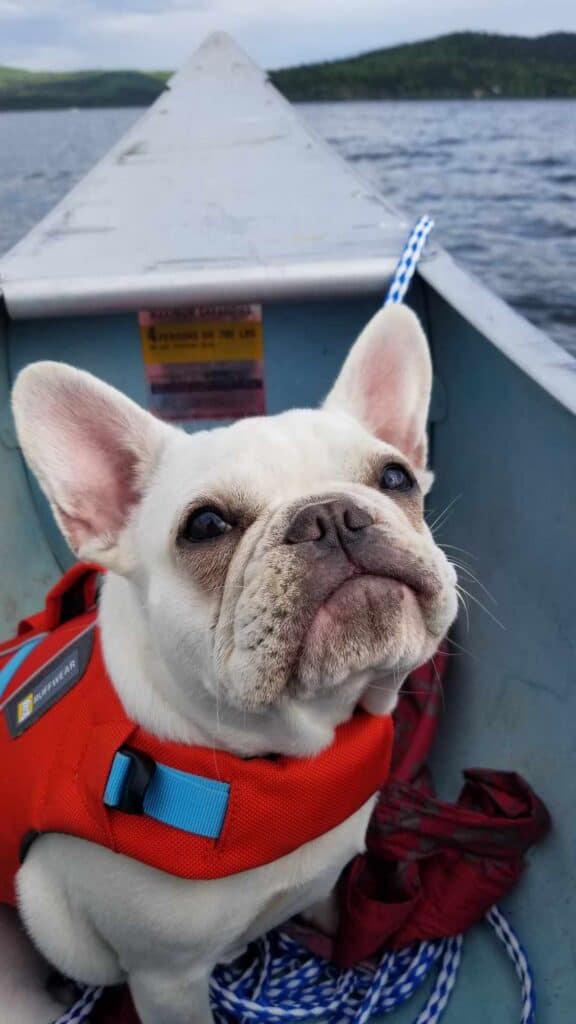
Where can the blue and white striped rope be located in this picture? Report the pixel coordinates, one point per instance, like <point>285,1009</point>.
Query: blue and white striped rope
<point>278,981</point>
<point>517,954</point>
<point>90,994</point>
<point>302,988</point>
<point>409,261</point>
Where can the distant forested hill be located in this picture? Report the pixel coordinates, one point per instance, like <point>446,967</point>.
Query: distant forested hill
<point>465,64</point>
<point>37,90</point>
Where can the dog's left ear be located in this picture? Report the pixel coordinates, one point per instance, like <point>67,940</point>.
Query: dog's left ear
<point>386,382</point>
<point>93,452</point>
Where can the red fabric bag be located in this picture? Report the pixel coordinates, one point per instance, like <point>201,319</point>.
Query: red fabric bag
<point>433,869</point>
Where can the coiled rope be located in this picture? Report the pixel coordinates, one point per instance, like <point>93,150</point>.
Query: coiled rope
<point>278,981</point>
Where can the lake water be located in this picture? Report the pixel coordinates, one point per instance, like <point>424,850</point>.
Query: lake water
<point>499,178</point>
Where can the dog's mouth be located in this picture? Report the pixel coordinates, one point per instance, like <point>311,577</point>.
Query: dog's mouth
<point>361,623</point>
<point>362,586</point>
<point>360,592</point>
<point>358,600</point>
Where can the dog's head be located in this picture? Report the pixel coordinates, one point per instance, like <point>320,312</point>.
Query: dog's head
<point>277,563</point>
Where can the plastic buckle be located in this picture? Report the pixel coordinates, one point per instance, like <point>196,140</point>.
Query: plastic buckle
<point>138,778</point>
<point>26,843</point>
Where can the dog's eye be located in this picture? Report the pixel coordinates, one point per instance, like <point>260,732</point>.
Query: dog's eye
<point>395,478</point>
<point>205,523</point>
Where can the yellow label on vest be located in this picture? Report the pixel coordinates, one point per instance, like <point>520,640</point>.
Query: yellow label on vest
<point>25,708</point>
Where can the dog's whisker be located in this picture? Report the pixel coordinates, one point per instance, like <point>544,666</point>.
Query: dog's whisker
<point>464,568</point>
<point>417,693</point>
<point>461,649</point>
<point>441,518</point>
<point>482,606</point>
<point>445,519</point>
<point>456,654</point>
<point>454,547</point>
<point>440,684</point>
<point>461,600</point>
<point>393,688</point>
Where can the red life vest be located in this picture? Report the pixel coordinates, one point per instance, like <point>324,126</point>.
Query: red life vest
<point>73,762</point>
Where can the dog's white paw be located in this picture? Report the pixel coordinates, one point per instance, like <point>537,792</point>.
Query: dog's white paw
<point>24,997</point>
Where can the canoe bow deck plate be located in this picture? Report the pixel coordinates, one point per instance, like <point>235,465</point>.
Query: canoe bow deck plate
<point>219,190</point>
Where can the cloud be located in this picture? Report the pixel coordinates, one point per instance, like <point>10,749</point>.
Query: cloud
<point>148,7</point>
<point>165,22</point>
<point>10,9</point>
<point>31,9</point>
<point>64,34</point>
<point>41,57</point>
<point>41,8</point>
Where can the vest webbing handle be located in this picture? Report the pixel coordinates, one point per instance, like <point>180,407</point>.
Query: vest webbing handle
<point>139,785</point>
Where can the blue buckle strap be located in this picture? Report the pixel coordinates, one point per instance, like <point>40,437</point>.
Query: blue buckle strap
<point>138,785</point>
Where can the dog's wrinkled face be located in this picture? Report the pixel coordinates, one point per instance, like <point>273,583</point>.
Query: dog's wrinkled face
<point>280,559</point>
<point>304,554</point>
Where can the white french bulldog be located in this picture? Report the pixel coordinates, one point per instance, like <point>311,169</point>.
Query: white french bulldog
<point>264,579</point>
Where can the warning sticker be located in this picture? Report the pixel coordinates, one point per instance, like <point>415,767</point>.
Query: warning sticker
<point>205,362</point>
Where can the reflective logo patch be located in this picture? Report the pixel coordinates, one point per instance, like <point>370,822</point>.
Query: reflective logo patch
<point>25,708</point>
<point>49,684</point>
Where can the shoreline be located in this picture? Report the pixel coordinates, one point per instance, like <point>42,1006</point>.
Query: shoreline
<point>136,105</point>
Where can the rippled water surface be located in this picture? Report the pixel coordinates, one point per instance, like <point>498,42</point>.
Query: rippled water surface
<point>499,178</point>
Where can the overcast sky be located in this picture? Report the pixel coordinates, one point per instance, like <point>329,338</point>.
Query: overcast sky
<point>65,34</point>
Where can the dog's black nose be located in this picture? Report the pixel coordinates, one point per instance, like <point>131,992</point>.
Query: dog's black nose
<point>330,523</point>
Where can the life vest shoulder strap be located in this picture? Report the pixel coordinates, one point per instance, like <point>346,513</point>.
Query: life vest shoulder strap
<point>73,595</point>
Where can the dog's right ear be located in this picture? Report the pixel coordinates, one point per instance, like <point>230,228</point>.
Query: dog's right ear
<point>386,382</point>
<point>93,452</point>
